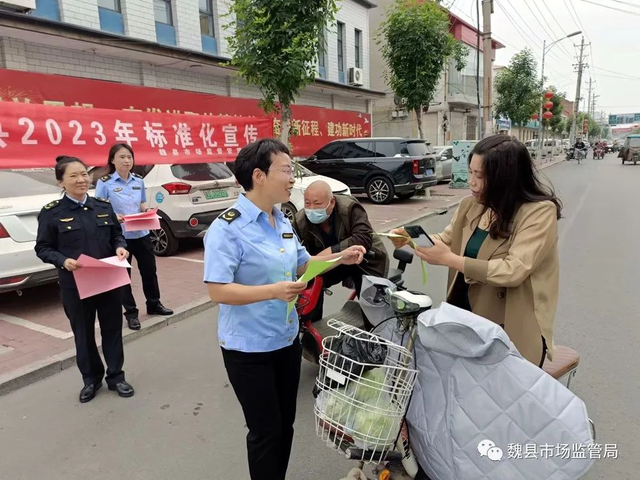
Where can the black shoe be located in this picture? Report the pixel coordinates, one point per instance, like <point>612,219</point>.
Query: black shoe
<point>134,323</point>
<point>159,309</point>
<point>89,391</point>
<point>123,389</point>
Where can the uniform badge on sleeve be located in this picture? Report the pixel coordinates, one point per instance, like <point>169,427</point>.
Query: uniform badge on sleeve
<point>287,235</point>
<point>230,215</point>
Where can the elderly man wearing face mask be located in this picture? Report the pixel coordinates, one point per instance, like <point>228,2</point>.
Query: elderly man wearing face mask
<point>330,224</point>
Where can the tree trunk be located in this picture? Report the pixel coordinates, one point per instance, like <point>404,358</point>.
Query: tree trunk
<point>418,111</point>
<point>286,124</point>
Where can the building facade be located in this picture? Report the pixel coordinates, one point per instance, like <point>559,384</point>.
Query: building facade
<point>453,114</point>
<point>173,45</point>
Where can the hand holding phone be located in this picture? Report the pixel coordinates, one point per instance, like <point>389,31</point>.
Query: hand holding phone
<point>419,236</point>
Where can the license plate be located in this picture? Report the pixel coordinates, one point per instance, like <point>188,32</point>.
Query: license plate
<point>215,194</point>
<point>429,171</point>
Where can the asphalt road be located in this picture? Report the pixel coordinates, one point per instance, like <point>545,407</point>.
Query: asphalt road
<point>185,423</point>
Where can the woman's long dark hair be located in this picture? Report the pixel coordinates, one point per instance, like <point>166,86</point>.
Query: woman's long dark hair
<point>112,155</point>
<point>510,180</point>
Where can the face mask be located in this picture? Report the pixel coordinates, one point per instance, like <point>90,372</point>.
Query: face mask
<point>317,215</point>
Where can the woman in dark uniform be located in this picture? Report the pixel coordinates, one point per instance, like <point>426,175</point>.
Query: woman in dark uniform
<point>126,193</point>
<point>71,226</point>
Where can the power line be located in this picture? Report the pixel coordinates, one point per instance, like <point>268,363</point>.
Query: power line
<point>627,3</point>
<point>584,30</point>
<point>520,32</point>
<point>552,33</point>
<point>612,8</point>
<point>634,79</point>
<point>564,33</point>
<point>620,74</point>
<point>533,42</point>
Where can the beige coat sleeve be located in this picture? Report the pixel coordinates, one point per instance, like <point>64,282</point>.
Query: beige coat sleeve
<point>534,237</point>
<point>446,236</point>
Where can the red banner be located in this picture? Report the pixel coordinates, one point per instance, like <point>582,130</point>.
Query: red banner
<point>34,135</point>
<point>315,126</point>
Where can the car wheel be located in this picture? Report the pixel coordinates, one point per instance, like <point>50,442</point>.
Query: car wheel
<point>380,190</point>
<point>164,242</point>
<point>289,211</point>
<point>405,196</point>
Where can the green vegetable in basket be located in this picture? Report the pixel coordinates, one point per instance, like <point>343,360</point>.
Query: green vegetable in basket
<point>335,408</point>
<point>370,388</point>
<point>374,428</point>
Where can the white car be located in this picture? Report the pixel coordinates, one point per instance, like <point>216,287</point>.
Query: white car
<point>188,197</point>
<point>23,193</point>
<point>444,158</point>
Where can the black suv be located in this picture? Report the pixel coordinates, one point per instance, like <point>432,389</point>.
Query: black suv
<point>379,167</point>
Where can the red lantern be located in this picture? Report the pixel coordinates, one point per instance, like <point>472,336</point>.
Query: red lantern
<point>549,95</point>
<point>534,116</point>
<point>548,105</point>
<point>547,115</point>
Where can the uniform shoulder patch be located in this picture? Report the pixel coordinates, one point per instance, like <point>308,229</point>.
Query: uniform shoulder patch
<point>136,175</point>
<point>230,215</point>
<point>105,178</point>
<point>105,200</point>
<point>51,205</point>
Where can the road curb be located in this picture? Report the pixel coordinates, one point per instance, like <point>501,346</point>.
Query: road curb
<point>46,367</point>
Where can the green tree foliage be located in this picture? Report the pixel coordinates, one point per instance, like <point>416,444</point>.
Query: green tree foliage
<point>518,90</point>
<point>275,47</point>
<point>416,47</point>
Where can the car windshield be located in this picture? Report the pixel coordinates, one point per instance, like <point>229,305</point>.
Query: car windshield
<point>634,142</point>
<point>28,182</point>
<point>417,149</point>
<point>201,172</point>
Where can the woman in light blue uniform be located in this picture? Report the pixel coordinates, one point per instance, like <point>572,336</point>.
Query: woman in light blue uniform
<point>252,261</point>
<point>125,190</point>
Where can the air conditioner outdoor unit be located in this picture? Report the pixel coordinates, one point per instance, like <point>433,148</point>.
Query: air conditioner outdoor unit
<point>399,101</point>
<point>356,77</point>
<point>22,6</point>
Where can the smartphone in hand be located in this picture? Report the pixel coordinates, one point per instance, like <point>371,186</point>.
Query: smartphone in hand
<point>419,236</point>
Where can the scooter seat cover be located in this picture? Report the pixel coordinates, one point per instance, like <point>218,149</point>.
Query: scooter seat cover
<point>473,386</point>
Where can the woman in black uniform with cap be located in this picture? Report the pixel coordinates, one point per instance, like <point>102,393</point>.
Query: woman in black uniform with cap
<point>71,226</point>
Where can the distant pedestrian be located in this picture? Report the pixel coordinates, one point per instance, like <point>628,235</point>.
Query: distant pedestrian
<point>126,192</point>
<point>79,224</point>
<point>252,260</point>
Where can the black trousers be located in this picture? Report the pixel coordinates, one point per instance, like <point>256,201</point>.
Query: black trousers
<point>82,315</point>
<point>266,385</point>
<point>142,250</point>
<point>333,277</point>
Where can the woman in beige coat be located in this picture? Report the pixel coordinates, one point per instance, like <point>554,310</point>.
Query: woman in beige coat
<point>502,246</point>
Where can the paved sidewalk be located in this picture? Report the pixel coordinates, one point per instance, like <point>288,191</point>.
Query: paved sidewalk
<point>35,336</point>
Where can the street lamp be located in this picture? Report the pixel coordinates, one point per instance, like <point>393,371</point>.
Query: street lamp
<point>545,49</point>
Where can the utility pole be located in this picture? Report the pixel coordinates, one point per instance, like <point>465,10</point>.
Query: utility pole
<point>576,105</point>
<point>487,10</point>
<point>589,102</point>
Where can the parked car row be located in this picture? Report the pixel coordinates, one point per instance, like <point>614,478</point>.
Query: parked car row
<point>188,197</point>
